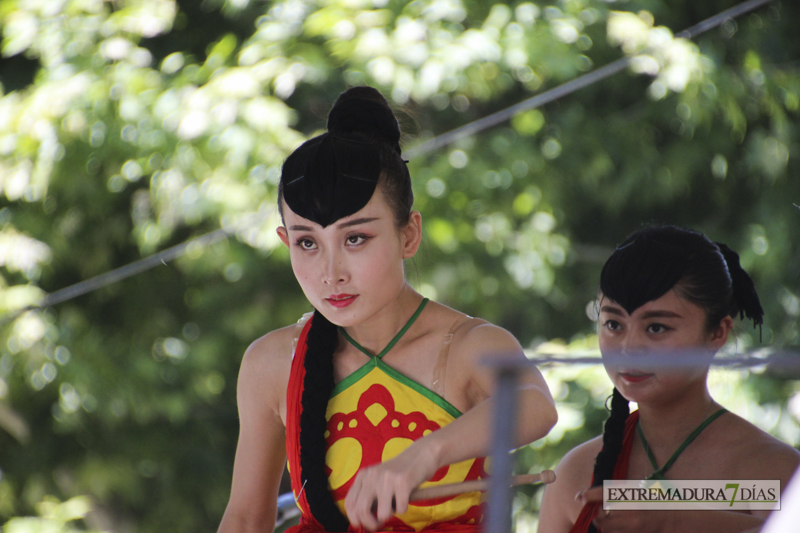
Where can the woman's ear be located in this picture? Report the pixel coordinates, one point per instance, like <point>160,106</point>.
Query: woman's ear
<point>412,235</point>
<point>719,336</point>
<point>283,234</point>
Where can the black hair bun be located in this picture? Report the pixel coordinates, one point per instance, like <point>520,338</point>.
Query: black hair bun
<point>364,111</point>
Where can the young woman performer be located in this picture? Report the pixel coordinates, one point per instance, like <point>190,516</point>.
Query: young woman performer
<point>380,390</point>
<point>666,289</point>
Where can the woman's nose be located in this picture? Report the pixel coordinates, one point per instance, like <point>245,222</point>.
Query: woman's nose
<point>631,343</point>
<point>335,270</point>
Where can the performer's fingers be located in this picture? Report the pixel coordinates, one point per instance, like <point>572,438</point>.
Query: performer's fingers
<point>590,495</point>
<point>401,502</point>
<point>386,503</point>
<point>364,514</point>
<point>351,503</point>
<point>370,523</point>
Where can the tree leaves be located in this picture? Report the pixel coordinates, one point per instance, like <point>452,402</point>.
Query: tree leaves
<point>151,122</point>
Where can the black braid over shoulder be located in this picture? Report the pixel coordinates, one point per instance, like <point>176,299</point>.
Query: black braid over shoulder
<point>744,290</point>
<point>317,388</point>
<point>613,434</point>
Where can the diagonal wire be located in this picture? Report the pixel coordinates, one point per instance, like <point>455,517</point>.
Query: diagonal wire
<point>531,103</point>
<point>137,267</point>
<point>573,85</point>
<point>785,360</point>
<point>720,18</point>
<point>131,269</point>
<point>435,143</point>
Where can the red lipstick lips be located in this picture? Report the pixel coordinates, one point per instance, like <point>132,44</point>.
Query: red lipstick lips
<point>634,377</point>
<point>341,300</point>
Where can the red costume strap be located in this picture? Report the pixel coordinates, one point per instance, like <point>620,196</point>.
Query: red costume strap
<point>590,510</point>
<point>294,408</point>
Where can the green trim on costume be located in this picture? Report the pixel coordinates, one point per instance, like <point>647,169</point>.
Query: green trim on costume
<point>659,472</point>
<point>422,389</point>
<point>396,337</point>
<point>375,361</point>
<point>355,376</point>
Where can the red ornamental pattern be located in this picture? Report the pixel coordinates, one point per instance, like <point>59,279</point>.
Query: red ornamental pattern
<point>373,437</point>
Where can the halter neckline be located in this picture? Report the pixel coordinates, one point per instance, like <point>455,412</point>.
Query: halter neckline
<point>659,472</point>
<point>396,337</point>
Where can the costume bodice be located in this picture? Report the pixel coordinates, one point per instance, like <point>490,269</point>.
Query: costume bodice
<point>373,415</point>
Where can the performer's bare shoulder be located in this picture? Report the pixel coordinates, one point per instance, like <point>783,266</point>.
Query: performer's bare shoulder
<point>753,453</point>
<point>264,374</point>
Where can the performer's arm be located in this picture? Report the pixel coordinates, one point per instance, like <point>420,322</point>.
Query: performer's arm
<point>261,451</point>
<point>560,510</point>
<point>467,437</point>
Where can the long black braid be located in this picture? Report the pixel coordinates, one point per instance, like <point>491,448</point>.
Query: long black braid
<point>613,433</point>
<point>317,388</point>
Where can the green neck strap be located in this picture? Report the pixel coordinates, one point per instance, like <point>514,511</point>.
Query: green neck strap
<point>396,337</point>
<point>659,472</point>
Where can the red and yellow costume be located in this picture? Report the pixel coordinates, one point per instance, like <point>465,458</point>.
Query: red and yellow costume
<point>373,415</point>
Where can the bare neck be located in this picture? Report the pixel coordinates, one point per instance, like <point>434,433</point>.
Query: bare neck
<point>667,424</point>
<point>376,332</point>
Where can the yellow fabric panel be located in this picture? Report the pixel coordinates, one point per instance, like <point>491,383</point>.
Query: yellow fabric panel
<point>375,419</point>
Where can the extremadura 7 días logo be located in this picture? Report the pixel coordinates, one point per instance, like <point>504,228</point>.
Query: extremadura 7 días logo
<point>697,495</point>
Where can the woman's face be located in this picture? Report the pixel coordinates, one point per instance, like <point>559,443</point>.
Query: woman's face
<point>669,326</point>
<point>353,268</point>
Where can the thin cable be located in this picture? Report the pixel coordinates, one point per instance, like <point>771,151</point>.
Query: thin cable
<point>531,103</point>
<point>758,358</point>
<point>118,274</point>
<point>139,266</point>
<point>565,89</point>
<point>573,85</point>
<point>719,19</point>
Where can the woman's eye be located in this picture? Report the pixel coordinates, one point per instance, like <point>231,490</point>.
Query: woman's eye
<point>613,325</point>
<point>657,328</point>
<point>306,244</point>
<point>356,239</point>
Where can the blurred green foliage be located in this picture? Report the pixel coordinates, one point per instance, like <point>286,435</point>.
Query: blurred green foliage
<point>129,126</point>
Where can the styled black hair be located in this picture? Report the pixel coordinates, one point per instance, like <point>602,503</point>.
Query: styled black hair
<point>327,178</point>
<point>646,266</point>
<point>654,260</point>
<point>335,174</point>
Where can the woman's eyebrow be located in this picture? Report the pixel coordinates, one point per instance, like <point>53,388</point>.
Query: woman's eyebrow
<point>661,314</point>
<point>649,314</point>
<point>355,222</point>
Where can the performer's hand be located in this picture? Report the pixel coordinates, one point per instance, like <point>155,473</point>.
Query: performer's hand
<point>628,521</point>
<point>388,484</point>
